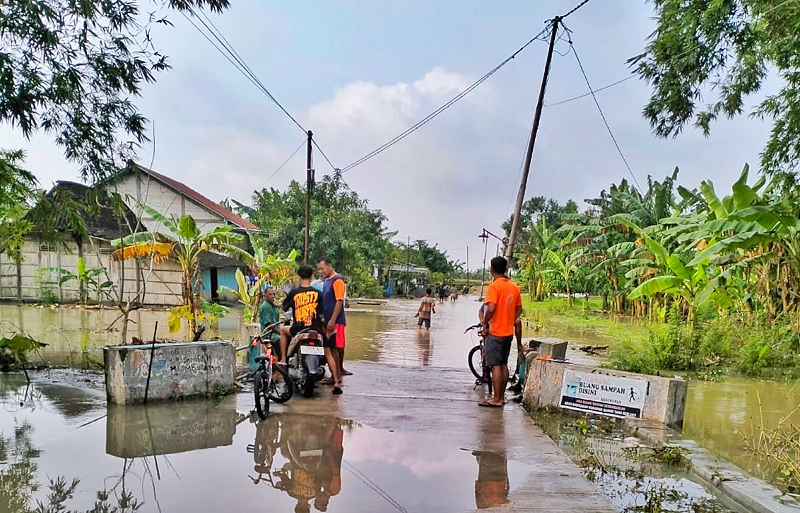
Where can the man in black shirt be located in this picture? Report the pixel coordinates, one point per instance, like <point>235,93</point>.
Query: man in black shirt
<point>306,304</point>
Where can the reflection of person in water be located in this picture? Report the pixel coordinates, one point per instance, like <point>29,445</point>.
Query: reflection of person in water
<point>329,478</point>
<point>314,467</point>
<point>264,448</point>
<point>491,487</point>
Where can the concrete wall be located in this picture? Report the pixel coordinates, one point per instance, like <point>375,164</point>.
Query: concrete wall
<point>148,191</point>
<point>179,371</point>
<point>28,282</point>
<point>138,431</point>
<point>665,398</point>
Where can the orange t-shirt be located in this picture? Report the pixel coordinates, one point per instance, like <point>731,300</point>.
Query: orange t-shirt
<point>505,294</point>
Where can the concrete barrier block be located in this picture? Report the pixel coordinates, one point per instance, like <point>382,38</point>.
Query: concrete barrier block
<point>664,401</point>
<point>178,371</point>
<point>556,348</point>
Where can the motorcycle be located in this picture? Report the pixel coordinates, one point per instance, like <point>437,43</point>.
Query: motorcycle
<point>306,357</point>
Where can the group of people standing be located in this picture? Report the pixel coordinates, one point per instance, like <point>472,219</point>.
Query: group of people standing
<point>319,306</point>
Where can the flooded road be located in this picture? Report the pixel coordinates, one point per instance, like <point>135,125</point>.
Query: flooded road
<point>717,413</point>
<point>376,448</point>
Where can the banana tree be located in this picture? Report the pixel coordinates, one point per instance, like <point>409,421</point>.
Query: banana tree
<point>186,243</point>
<point>564,267</point>
<point>267,269</point>
<point>86,277</point>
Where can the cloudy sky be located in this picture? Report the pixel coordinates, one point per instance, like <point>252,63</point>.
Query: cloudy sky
<point>358,72</point>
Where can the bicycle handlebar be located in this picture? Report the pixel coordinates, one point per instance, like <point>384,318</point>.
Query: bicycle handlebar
<point>475,327</point>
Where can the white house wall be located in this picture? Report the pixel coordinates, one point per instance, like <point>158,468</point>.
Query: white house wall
<point>31,282</point>
<point>144,189</point>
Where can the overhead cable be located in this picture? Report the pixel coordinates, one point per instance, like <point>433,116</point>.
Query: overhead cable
<point>419,124</point>
<point>286,161</point>
<point>590,92</point>
<point>240,64</point>
<point>603,116</point>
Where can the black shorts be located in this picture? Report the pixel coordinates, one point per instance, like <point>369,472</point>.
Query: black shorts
<point>425,321</point>
<point>496,350</point>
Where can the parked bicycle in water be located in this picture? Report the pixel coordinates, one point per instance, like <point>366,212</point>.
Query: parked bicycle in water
<point>271,382</point>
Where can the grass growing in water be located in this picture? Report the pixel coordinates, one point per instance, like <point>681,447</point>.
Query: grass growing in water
<point>715,344</point>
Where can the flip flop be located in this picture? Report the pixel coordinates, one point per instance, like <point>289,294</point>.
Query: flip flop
<point>487,404</point>
<point>337,391</point>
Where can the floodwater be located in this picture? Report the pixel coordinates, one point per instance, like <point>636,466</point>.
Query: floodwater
<point>717,413</point>
<point>206,456</point>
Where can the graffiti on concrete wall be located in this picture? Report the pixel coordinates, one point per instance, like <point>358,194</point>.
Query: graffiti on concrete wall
<point>168,362</point>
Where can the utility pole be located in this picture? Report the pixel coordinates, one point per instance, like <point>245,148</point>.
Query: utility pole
<point>509,252</point>
<point>309,188</point>
<point>485,237</point>
<point>408,263</point>
<point>467,267</point>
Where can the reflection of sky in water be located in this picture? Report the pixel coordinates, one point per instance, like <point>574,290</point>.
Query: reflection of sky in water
<point>419,472</point>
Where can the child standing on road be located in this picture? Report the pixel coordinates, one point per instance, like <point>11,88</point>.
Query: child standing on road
<point>426,308</point>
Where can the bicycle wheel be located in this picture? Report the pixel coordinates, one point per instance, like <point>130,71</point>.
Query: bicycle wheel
<point>260,388</point>
<point>281,391</point>
<point>475,360</point>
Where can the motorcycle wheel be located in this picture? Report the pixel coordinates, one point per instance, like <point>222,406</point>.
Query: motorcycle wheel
<point>261,387</point>
<point>282,391</point>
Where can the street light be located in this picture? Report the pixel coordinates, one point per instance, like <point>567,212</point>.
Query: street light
<point>485,234</point>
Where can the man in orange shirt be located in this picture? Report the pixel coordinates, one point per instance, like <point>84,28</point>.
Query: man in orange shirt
<point>503,308</point>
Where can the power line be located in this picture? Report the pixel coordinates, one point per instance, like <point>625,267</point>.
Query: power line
<point>590,92</point>
<point>242,65</point>
<point>576,8</point>
<point>286,161</point>
<point>334,168</point>
<point>603,116</point>
<point>429,117</point>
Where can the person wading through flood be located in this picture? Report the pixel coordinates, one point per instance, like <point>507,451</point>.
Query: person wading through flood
<point>426,307</point>
<point>306,304</point>
<point>333,292</point>
<point>503,308</point>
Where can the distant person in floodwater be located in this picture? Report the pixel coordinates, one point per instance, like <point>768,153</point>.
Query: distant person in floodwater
<point>503,308</point>
<point>426,307</point>
<point>441,292</point>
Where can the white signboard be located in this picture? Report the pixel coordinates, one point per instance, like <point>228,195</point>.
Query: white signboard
<point>603,395</point>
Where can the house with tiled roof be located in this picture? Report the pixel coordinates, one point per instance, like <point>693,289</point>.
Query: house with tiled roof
<point>36,278</point>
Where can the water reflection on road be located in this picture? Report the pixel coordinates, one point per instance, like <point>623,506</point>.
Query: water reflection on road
<point>716,413</point>
<point>206,456</point>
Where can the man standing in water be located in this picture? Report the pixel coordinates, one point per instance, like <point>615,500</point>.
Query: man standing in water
<point>333,292</point>
<point>426,307</point>
<point>503,308</point>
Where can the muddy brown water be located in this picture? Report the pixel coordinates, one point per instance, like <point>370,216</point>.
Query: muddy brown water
<point>717,413</point>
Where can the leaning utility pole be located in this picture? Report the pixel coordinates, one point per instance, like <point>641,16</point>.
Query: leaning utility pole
<point>509,252</point>
<point>309,188</point>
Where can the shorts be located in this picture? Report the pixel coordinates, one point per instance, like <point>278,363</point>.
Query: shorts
<point>424,320</point>
<point>496,350</point>
<point>336,339</point>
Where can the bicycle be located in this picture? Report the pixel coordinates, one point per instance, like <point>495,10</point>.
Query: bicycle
<point>265,386</point>
<point>476,361</point>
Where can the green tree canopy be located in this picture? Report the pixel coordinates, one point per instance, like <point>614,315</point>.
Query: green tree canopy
<point>343,227</point>
<point>725,50</point>
<point>72,69</point>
